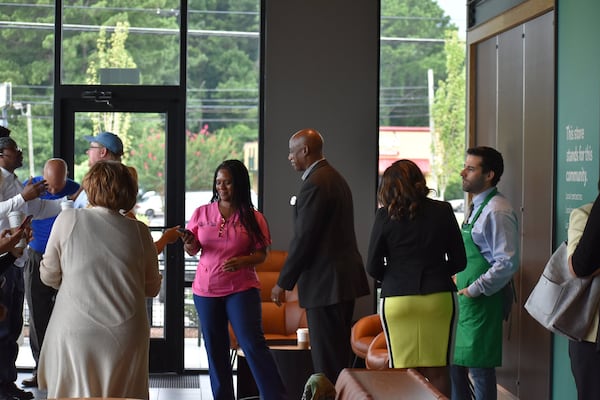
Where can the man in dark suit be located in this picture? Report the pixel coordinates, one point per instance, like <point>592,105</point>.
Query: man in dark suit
<point>323,257</point>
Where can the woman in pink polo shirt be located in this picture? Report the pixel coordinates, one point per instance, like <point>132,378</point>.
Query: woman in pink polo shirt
<point>232,237</point>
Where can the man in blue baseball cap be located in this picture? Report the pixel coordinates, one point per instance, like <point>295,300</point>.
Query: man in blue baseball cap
<point>103,146</point>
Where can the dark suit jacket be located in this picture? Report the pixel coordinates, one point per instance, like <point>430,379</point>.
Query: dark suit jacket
<point>422,254</point>
<point>323,257</point>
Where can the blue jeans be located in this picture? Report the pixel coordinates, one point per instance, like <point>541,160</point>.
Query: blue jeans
<point>244,311</point>
<point>483,386</point>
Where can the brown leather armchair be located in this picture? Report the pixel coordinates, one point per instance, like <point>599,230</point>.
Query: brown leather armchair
<point>368,342</point>
<point>279,323</point>
<point>363,332</point>
<point>378,356</point>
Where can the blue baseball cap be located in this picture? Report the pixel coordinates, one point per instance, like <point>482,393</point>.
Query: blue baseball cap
<point>108,140</point>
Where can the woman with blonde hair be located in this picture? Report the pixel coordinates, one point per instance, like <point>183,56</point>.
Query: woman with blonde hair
<point>415,249</point>
<point>104,265</point>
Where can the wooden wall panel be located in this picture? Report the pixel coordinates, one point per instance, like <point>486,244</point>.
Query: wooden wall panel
<point>509,142</point>
<point>538,184</point>
<point>514,112</point>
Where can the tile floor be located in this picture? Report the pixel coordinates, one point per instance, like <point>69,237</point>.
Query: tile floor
<point>196,354</point>
<point>203,393</point>
<point>166,393</point>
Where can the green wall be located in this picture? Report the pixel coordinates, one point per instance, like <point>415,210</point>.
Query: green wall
<point>578,106</point>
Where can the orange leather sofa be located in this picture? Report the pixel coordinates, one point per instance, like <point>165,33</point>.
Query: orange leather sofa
<point>279,323</point>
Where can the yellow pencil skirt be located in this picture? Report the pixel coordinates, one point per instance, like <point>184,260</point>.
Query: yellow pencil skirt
<point>420,329</point>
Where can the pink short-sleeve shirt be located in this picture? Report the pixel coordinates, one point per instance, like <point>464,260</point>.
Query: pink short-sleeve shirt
<point>221,241</point>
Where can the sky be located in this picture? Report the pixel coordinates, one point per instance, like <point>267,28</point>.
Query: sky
<point>457,11</point>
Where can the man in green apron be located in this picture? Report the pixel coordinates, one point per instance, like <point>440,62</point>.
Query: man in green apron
<point>491,237</point>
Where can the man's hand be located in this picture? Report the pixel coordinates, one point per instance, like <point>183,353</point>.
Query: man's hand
<point>34,190</point>
<point>276,293</point>
<point>464,292</point>
<point>9,239</point>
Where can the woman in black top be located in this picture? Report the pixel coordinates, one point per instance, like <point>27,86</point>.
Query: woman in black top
<point>415,249</point>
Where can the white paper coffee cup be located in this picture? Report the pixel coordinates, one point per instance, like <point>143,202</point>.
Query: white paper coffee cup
<point>15,218</point>
<point>303,338</point>
<point>66,204</point>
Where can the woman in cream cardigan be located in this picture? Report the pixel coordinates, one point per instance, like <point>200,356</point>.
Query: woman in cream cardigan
<point>104,265</point>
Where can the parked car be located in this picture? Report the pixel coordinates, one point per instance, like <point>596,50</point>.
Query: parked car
<point>150,204</point>
<point>458,205</point>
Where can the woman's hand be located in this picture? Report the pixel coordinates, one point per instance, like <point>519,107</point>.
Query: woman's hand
<point>233,264</point>
<point>172,234</point>
<point>190,243</point>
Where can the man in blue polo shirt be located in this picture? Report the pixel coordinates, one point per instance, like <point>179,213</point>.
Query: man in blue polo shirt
<point>40,298</point>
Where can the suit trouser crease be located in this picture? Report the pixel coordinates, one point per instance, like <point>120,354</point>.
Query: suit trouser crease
<point>40,300</point>
<point>329,331</point>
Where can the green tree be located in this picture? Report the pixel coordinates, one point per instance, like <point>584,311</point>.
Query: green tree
<point>27,63</point>
<point>223,70</point>
<point>404,62</point>
<point>111,53</point>
<point>204,151</point>
<point>449,116</point>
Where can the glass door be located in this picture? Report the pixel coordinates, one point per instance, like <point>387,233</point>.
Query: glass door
<point>149,134</point>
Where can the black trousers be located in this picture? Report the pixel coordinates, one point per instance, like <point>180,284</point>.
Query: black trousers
<point>585,365</point>
<point>40,300</point>
<point>10,328</point>
<point>329,334</point>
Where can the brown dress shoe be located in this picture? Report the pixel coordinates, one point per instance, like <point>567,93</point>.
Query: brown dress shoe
<point>31,382</point>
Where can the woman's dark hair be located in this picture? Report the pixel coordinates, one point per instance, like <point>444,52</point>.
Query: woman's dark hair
<point>241,197</point>
<point>402,190</point>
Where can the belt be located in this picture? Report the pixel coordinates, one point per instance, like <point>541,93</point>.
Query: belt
<point>29,248</point>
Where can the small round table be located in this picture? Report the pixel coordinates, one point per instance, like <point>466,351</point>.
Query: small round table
<point>293,362</point>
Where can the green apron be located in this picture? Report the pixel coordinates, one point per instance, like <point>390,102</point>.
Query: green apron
<point>479,330</point>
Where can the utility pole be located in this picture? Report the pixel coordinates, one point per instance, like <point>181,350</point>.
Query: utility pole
<point>430,98</point>
<point>5,101</point>
<point>29,137</point>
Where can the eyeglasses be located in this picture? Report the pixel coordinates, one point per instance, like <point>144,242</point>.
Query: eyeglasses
<point>15,149</point>
<point>222,227</point>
